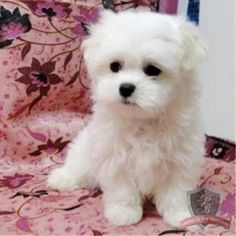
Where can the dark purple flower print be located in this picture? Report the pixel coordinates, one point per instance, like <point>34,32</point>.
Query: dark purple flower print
<point>108,4</point>
<point>85,17</point>
<point>38,77</point>
<point>115,5</point>
<point>50,147</point>
<point>12,25</point>
<point>49,8</point>
<point>15,181</point>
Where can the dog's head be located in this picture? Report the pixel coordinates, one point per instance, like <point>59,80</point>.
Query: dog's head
<point>137,60</point>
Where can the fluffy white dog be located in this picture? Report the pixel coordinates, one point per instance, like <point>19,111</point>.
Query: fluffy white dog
<point>144,139</point>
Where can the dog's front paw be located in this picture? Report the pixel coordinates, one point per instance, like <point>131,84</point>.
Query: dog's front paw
<point>174,218</point>
<point>123,215</point>
<point>61,179</point>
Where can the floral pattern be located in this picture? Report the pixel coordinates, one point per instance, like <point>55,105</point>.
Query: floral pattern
<point>39,78</point>
<point>45,102</point>
<point>50,147</point>
<point>12,25</point>
<point>84,18</point>
<point>49,8</point>
<point>15,181</point>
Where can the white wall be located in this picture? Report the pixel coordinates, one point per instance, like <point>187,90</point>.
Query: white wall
<point>218,26</point>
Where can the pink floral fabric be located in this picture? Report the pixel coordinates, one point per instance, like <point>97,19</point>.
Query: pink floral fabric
<point>45,102</point>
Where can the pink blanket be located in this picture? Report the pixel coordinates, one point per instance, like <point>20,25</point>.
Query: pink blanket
<point>44,103</point>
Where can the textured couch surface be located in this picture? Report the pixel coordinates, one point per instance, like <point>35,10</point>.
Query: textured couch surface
<point>44,103</point>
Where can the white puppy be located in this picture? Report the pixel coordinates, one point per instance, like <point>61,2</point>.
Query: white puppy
<point>144,138</point>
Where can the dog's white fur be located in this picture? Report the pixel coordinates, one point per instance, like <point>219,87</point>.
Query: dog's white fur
<point>152,147</point>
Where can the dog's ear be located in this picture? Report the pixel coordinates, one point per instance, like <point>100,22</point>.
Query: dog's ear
<point>103,15</point>
<point>195,49</point>
<point>94,38</point>
<point>89,28</point>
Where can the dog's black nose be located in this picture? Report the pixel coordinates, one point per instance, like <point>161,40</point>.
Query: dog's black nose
<point>126,89</point>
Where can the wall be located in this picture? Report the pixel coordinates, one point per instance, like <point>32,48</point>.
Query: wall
<point>218,26</point>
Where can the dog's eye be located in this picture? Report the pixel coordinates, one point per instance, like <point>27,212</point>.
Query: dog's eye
<point>151,70</point>
<point>115,66</point>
